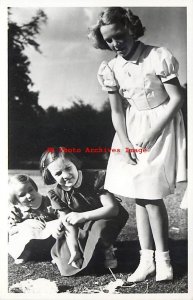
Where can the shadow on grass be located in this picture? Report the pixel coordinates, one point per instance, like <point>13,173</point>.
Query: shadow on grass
<point>64,288</point>
<point>128,258</point>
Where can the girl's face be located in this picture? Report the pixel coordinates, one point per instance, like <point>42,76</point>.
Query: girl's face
<point>118,38</point>
<point>64,172</point>
<point>27,195</point>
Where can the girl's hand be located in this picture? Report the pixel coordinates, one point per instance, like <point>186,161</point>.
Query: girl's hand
<point>74,218</point>
<point>76,260</point>
<point>148,139</point>
<point>130,155</point>
<point>33,223</point>
<point>58,230</point>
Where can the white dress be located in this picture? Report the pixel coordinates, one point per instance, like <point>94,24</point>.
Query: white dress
<point>19,237</point>
<point>140,81</point>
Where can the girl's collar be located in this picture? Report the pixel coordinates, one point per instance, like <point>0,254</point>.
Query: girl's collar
<point>135,55</point>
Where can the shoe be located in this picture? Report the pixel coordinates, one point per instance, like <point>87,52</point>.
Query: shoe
<point>25,257</point>
<point>146,266</point>
<point>164,270</point>
<point>110,258</point>
<point>77,264</point>
<point>19,261</point>
<point>53,262</point>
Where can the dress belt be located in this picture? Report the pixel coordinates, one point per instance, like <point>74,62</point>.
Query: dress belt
<point>147,105</point>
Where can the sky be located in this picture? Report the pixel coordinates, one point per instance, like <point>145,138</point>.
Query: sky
<point>66,70</point>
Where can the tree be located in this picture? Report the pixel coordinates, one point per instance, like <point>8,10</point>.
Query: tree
<point>23,107</point>
<point>20,95</point>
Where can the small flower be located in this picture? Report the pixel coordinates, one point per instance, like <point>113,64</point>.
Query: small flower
<point>113,285</point>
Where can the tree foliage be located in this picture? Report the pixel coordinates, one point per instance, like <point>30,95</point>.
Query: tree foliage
<point>33,129</point>
<point>22,100</point>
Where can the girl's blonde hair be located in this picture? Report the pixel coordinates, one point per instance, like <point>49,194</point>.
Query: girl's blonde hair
<point>115,15</point>
<point>21,178</point>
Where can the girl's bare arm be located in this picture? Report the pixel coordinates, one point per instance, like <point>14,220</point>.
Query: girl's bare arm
<point>108,210</point>
<point>176,101</point>
<point>174,91</point>
<point>119,123</point>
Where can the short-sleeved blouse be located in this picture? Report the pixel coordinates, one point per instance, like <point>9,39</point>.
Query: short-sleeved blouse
<point>140,80</point>
<point>83,198</point>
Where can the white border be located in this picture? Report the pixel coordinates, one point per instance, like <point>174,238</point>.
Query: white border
<point>3,149</point>
<point>96,3</point>
<point>190,142</point>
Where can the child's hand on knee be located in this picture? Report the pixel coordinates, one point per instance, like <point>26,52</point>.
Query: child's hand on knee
<point>76,260</point>
<point>74,218</point>
<point>58,230</point>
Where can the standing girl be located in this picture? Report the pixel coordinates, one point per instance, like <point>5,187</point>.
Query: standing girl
<point>90,214</point>
<point>146,76</point>
<point>32,221</point>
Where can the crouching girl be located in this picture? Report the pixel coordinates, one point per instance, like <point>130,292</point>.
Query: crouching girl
<point>90,214</point>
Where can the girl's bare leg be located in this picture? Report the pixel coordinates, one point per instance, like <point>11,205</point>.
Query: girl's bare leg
<point>143,226</point>
<point>158,219</point>
<point>146,266</point>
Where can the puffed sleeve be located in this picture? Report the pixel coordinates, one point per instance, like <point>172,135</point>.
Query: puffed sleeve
<point>106,78</point>
<point>99,182</point>
<point>166,65</point>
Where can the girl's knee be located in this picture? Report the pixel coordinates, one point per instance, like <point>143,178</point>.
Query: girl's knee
<point>123,216</point>
<point>100,225</point>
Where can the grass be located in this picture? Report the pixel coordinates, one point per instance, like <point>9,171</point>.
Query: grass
<point>95,276</point>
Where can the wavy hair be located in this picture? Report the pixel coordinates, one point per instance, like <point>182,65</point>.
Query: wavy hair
<point>50,155</point>
<point>115,15</point>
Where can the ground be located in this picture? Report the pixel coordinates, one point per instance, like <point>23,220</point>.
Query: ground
<point>95,277</point>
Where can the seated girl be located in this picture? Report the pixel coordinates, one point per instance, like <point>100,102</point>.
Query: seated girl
<point>32,221</point>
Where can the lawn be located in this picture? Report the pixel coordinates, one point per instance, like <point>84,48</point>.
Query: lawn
<point>95,277</point>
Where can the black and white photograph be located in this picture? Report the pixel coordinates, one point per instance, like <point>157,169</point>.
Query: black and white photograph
<point>97,158</point>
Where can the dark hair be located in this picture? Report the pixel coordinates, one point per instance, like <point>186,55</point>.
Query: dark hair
<point>49,156</point>
<point>22,178</point>
<point>113,15</point>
